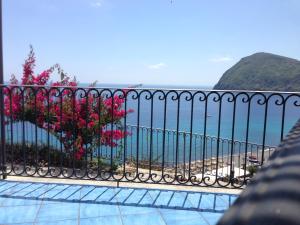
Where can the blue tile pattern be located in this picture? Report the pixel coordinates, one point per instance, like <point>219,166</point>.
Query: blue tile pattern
<point>27,203</point>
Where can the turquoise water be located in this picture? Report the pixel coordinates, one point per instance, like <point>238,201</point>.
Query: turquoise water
<point>256,119</point>
<point>181,119</point>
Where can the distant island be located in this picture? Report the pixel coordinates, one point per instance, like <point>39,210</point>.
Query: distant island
<point>262,71</point>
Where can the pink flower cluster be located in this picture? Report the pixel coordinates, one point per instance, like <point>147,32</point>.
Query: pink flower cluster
<point>80,120</point>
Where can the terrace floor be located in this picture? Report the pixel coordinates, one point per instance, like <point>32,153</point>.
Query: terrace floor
<point>25,202</point>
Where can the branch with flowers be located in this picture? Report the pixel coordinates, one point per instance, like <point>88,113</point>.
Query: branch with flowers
<point>81,122</point>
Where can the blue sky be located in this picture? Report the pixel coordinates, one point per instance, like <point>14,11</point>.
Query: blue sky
<point>187,42</point>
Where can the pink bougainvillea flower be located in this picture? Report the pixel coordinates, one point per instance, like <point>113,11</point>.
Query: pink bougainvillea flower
<point>75,116</point>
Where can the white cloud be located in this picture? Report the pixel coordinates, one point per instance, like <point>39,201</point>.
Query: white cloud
<point>156,66</point>
<point>97,4</point>
<point>221,59</point>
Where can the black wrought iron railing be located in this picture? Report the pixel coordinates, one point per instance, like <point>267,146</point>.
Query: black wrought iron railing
<point>187,137</point>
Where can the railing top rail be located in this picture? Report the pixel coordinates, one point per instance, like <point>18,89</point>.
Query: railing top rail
<point>154,89</point>
<point>197,134</point>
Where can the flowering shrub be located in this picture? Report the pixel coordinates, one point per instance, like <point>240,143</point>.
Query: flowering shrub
<point>80,118</point>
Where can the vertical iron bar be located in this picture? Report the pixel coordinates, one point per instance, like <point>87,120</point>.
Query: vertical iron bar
<point>131,143</point>
<point>151,136</point>
<point>218,136</point>
<point>173,148</point>
<point>48,129</point>
<point>168,147</point>
<point>232,142</point>
<point>36,131</point>
<point>125,132</point>
<point>2,147</point>
<point>11,132</point>
<point>177,138</point>
<point>142,144</point>
<point>164,138</point>
<point>157,140</point>
<point>204,139</point>
<point>61,134</point>
<point>184,153</point>
<point>191,137</point>
<point>147,141</point>
<point>282,120</point>
<point>138,135</point>
<point>247,138</point>
<point>195,149</point>
<point>264,132</point>
<point>23,131</point>
<point>73,132</point>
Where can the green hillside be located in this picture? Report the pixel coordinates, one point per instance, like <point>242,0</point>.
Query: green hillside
<point>262,71</point>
